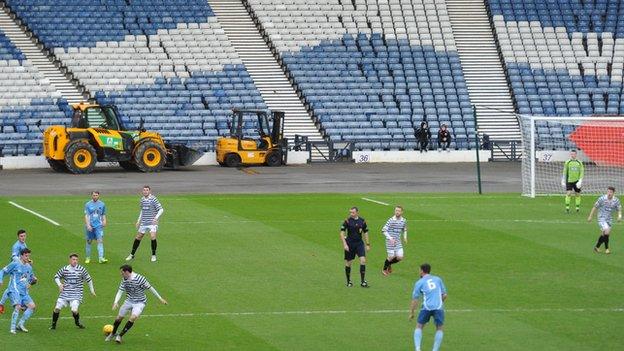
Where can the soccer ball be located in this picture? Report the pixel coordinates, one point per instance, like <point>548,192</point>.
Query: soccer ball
<point>107,329</point>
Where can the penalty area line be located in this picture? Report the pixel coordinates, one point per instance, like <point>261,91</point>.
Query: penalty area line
<point>342,312</point>
<point>35,213</point>
<point>375,201</point>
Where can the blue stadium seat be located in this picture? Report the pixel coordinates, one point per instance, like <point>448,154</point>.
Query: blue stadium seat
<point>587,89</point>
<point>106,20</point>
<point>389,93</point>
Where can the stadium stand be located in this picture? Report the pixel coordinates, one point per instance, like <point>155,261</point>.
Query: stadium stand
<point>371,71</point>
<point>8,51</point>
<point>26,98</point>
<point>166,62</point>
<point>563,58</point>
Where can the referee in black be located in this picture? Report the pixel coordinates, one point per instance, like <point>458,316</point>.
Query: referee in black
<point>355,229</point>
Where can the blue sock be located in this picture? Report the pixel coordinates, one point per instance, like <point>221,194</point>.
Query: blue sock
<point>88,250</point>
<point>417,338</point>
<point>14,317</point>
<point>4,297</point>
<point>26,315</point>
<point>100,248</point>
<point>437,341</point>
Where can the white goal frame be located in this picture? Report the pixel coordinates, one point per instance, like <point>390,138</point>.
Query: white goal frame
<point>529,158</point>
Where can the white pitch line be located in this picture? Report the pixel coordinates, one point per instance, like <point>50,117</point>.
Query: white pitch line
<point>435,220</point>
<point>301,196</point>
<point>330,312</point>
<point>35,213</point>
<point>375,201</point>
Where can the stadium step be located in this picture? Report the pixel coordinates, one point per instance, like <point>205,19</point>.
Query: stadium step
<point>26,42</point>
<point>486,81</point>
<point>268,76</point>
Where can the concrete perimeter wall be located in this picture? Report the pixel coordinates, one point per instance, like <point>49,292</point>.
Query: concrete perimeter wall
<point>294,158</point>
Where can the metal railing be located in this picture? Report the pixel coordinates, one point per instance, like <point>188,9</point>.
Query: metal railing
<point>300,143</point>
<point>327,151</point>
<point>511,150</point>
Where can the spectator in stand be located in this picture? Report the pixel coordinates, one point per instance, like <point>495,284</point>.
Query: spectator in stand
<point>444,138</point>
<point>423,135</point>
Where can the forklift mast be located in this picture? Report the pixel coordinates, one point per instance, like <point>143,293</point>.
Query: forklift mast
<point>277,133</point>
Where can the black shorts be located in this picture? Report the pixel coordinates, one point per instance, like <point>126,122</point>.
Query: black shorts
<point>358,249</point>
<point>572,186</point>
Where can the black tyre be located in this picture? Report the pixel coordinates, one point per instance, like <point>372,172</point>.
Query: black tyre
<point>57,166</point>
<point>128,166</point>
<point>274,158</point>
<point>80,157</point>
<point>150,156</point>
<point>232,160</point>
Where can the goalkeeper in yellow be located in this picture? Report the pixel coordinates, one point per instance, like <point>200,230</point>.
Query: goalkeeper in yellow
<point>572,179</point>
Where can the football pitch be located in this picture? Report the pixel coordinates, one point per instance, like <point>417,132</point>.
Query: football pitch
<point>265,272</point>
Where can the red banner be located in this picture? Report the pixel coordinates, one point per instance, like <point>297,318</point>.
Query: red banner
<point>602,142</point>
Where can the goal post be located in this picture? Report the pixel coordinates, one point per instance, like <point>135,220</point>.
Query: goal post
<point>547,142</point>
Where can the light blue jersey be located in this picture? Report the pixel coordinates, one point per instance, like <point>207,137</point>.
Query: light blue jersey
<point>95,210</point>
<point>431,288</point>
<point>21,276</point>
<point>16,249</point>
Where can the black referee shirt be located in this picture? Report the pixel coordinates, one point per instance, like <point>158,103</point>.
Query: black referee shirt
<point>354,227</point>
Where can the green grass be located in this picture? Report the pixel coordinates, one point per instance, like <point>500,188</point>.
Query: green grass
<point>521,274</point>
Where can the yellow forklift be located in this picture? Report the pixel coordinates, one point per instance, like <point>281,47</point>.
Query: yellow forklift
<point>266,147</point>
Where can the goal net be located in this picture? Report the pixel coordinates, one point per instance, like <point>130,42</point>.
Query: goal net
<point>547,142</point>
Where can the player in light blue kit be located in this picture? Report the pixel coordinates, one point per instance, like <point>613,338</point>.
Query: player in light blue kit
<point>433,293</point>
<point>19,245</point>
<point>606,205</point>
<point>22,278</point>
<point>95,221</point>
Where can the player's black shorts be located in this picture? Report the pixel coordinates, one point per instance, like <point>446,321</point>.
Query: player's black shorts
<point>358,249</point>
<point>572,186</point>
